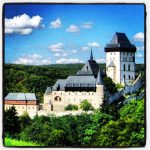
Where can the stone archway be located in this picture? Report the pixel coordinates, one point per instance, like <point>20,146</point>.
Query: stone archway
<point>57,99</point>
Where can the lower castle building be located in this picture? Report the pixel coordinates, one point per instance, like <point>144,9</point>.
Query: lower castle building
<point>23,102</point>
<point>86,84</point>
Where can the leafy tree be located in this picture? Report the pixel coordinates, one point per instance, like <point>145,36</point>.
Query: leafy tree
<point>86,105</point>
<point>71,107</point>
<point>56,138</point>
<point>24,120</point>
<point>11,122</point>
<point>109,85</point>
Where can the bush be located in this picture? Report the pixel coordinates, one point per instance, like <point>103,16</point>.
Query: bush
<point>86,105</point>
<point>119,86</point>
<point>71,107</point>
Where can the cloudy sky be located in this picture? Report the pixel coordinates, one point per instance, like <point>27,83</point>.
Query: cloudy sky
<point>49,34</point>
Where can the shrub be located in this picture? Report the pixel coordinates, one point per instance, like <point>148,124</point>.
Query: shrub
<point>71,107</point>
<point>86,105</point>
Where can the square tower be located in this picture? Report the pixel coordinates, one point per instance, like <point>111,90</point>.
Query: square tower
<point>120,59</point>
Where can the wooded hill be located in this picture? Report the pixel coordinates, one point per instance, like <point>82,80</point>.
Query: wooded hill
<point>27,78</point>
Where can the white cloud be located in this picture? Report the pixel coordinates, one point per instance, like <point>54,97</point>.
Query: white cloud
<point>56,47</point>
<point>140,47</point>
<point>87,25</point>
<point>101,60</point>
<point>68,61</point>
<point>73,28</point>
<point>57,54</point>
<point>22,24</point>
<point>55,24</point>
<point>33,59</point>
<point>84,48</point>
<point>74,51</point>
<point>139,56</point>
<point>60,54</point>
<point>139,37</point>
<point>93,44</point>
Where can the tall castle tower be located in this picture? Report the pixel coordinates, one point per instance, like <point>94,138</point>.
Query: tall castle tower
<point>120,59</point>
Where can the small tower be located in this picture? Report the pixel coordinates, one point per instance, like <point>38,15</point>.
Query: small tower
<point>91,57</point>
<point>120,59</point>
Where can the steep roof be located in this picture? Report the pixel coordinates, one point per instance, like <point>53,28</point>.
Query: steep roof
<point>99,77</point>
<point>120,42</point>
<point>80,81</point>
<point>48,91</point>
<point>21,96</point>
<point>59,85</point>
<point>111,64</point>
<point>90,68</point>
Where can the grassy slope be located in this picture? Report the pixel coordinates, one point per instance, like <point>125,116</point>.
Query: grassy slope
<point>13,142</point>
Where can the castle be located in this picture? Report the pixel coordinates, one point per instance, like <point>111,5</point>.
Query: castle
<point>87,83</point>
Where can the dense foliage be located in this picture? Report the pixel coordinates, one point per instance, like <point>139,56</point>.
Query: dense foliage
<point>71,107</point>
<point>11,122</point>
<point>97,129</point>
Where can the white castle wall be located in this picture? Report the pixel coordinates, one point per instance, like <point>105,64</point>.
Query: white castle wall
<point>95,98</point>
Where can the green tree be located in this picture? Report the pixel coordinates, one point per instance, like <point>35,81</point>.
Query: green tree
<point>56,138</point>
<point>11,122</point>
<point>109,85</point>
<point>86,105</point>
<point>24,120</point>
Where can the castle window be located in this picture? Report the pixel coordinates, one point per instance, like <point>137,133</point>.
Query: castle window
<point>87,68</point>
<point>129,76</point>
<point>124,67</point>
<point>133,59</point>
<point>124,76</point>
<point>127,54</point>
<point>129,67</point>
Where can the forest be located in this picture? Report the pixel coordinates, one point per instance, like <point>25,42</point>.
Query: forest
<point>27,78</point>
<point>122,126</point>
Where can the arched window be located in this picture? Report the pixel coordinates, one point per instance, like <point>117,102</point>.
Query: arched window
<point>57,98</point>
<point>124,67</point>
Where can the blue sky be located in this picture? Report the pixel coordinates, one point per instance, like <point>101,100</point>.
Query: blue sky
<point>49,34</point>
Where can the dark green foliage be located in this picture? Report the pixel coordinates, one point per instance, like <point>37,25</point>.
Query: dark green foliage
<point>86,105</point>
<point>11,122</point>
<point>24,121</point>
<point>109,85</point>
<point>97,129</point>
<point>71,107</point>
